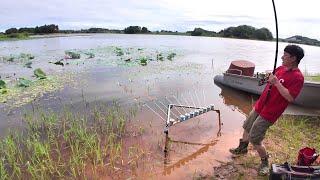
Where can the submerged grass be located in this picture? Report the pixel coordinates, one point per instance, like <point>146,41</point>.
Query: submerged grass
<point>54,146</point>
<point>17,95</point>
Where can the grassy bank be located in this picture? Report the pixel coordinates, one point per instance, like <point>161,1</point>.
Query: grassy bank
<point>314,78</point>
<point>14,36</point>
<point>283,141</point>
<point>54,146</point>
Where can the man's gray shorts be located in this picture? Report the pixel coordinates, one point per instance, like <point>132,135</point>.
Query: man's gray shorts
<point>256,127</point>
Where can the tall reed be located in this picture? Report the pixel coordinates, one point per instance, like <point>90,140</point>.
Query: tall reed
<point>65,146</point>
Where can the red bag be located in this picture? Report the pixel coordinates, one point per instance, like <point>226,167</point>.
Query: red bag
<point>306,156</point>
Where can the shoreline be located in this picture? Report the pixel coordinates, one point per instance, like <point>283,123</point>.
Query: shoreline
<point>39,36</point>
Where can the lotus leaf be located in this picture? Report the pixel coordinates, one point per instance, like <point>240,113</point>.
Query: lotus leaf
<point>90,55</point>
<point>171,56</point>
<point>59,63</point>
<point>9,58</point>
<point>26,56</point>
<point>143,61</point>
<point>28,64</point>
<point>39,74</point>
<point>119,51</point>
<point>2,84</point>
<point>3,91</point>
<point>24,82</point>
<point>159,57</point>
<point>72,55</point>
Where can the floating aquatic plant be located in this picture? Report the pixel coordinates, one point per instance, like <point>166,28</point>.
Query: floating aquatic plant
<point>22,57</point>
<point>22,82</point>
<point>2,84</point>
<point>26,56</point>
<point>89,54</point>
<point>28,64</point>
<point>9,58</point>
<point>171,56</point>
<point>159,57</point>
<point>143,61</point>
<point>39,73</point>
<point>119,51</point>
<point>3,91</point>
<point>58,62</point>
<point>72,54</point>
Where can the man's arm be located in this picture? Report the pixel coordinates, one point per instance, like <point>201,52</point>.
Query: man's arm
<point>282,90</point>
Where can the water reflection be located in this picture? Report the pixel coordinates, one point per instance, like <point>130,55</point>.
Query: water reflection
<point>236,99</point>
<point>169,167</point>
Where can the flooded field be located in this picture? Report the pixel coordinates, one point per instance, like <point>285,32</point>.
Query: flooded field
<point>142,74</point>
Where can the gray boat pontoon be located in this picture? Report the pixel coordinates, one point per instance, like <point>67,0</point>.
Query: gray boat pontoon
<point>239,78</point>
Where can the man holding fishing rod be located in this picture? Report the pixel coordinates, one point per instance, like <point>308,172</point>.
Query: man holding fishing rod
<point>282,88</point>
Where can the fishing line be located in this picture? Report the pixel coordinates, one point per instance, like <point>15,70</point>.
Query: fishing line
<point>276,53</point>
<point>277,37</point>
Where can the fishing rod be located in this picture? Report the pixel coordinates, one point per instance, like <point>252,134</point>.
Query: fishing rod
<point>276,53</point>
<point>277,38</point>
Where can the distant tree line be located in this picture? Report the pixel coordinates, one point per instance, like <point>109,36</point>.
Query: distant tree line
<point>242,32</point>
<point>46,29</point>
<point>92,30</point>
<point>136,30</point>
<point>302,40</point>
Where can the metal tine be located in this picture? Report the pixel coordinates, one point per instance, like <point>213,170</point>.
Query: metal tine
<point>154,111</point>
<point>196,111</point>
<point>192,99</point>
<point>180,104</point>
<point>167,107</point>
<point>197,97</point>
<point>173,103</point>
<point>160,108</point>
<point>192,114</point>
<point>204,96</point>
<point>184,99</point>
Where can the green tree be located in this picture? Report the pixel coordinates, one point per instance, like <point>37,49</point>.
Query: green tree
<point>197,32</point>
<point>132,30</point>
<point>145,30</point>
<point>47,29</point>
<point>263,34</point>
<point>26,30</point>
<point>11,31</point>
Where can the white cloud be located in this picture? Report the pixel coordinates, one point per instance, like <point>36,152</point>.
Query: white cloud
<point>182,15</point>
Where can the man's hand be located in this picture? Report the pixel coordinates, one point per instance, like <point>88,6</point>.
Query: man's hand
<point>273,80</point>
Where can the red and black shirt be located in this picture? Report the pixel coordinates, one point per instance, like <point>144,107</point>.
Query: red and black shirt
<point>271,107</point>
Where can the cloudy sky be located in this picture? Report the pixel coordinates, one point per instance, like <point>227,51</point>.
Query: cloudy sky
<point>295,17</point>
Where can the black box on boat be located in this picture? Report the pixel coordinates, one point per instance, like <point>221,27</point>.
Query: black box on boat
<point>287,171</point>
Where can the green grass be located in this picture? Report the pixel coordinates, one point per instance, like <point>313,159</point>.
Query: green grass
<point>290,134</point>
<point>14,36</point>
<point>314,78</point>
<point>54,146</point>
<point>283,141</point>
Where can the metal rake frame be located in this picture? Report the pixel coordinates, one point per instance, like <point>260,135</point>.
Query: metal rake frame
<point>197,111</point>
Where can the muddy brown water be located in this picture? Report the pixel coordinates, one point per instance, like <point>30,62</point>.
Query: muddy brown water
<point>194,146</point>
